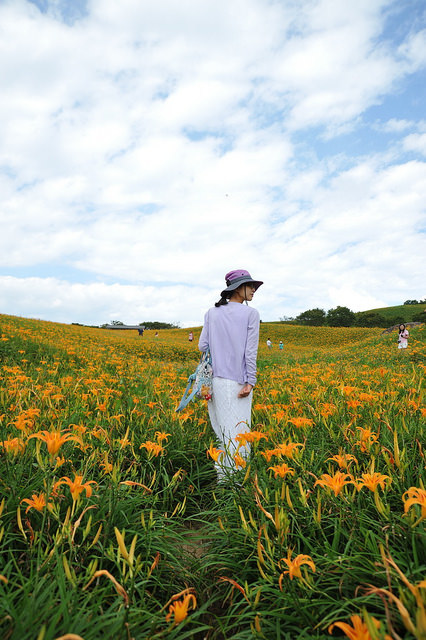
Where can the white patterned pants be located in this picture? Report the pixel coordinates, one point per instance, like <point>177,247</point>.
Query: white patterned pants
<point>229,416</point>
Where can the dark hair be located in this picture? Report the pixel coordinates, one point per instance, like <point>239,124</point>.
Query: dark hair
<point>221,302</point>
<point>401,325</point>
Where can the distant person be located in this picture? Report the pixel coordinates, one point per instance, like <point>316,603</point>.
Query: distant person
<point>156,334</point>
<point>140,331</point>
<point>191,336</point>
<point>280,345</point>
<point>269,343</point>
<point>402,337</point>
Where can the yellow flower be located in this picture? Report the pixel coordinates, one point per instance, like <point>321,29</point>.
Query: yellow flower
<point>37,502</point>
<point>372,481</point>
<point>294,566</point>
<point>76,486</point>
<point>281,470</point>
<point>54,439</point>
<point>214,453</point>
<point>335,483</point>
<point>179,608</point>
<point>415,496</point>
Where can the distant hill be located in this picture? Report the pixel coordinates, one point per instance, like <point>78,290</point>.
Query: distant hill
<point>406,311</point>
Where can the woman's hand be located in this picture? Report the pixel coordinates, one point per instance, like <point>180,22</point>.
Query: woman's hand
<point>245,391</point>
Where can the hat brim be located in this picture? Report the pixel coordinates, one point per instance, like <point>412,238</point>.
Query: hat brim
<point>237,283</point>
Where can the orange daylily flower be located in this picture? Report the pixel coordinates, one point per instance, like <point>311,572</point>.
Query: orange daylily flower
<point>279,415</point>
<point>353,404</point>
<point>281,470</point>
<point>118,417</point>
<point>358,630</point>
<point>327,409</point>
<point>107,466</point>
<point>153,448</point>
<point>335,482</point>
<point>214,453</point>
<point>250,436</point>
<point>347,390</point>
<point>76,486</point>
<point>268,453</point>
<point>415,495</point>
<point>343,460</point>
<point>60,460</point>
<point>80,428</point>
<point>99,433</point>
<point>13,445</point>
<point>301,422</point>
<point>288,449</point>
<point>55,439</point>
<point>124,442</point>
<point>37,502</point>
<point>294,566</point>
<point>367,397</point>
<point>239,461</point>
<point>26,419</point>
<point>372,481</point>
<point>367,438</point>
<point>161,435</point>
<point>179,608</point>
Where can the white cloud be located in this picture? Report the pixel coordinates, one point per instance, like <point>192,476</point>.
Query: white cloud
<point>414,50</point>
<point>75,302</point>
<point>396,126</point>
<point>415,142</point>
<point>161,144</point>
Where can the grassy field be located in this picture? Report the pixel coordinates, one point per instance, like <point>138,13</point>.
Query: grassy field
<point>113,526</point>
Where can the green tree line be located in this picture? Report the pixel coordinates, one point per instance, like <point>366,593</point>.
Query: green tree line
<point>344,317</point>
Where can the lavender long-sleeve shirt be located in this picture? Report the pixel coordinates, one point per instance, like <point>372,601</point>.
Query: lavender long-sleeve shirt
<point>232,333</point>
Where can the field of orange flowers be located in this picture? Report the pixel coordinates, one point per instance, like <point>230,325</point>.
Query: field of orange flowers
<point>113,526</point>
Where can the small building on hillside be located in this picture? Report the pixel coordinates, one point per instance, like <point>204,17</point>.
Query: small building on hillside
<point>124,327</point>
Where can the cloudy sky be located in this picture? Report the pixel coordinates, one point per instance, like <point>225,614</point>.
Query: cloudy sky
<point>147,147</point>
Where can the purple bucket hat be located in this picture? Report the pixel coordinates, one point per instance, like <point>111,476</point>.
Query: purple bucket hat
<point>235,279</point>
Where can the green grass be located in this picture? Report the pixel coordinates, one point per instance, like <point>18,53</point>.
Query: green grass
<point>406,311</point>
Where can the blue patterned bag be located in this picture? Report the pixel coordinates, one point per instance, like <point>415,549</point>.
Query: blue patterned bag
<point>200,383</point>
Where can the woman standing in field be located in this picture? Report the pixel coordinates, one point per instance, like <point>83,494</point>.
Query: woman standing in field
<point>231,332</point>
<point>402,337</point>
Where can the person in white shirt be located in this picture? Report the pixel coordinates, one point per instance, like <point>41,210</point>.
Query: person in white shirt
<point>403,337</point>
